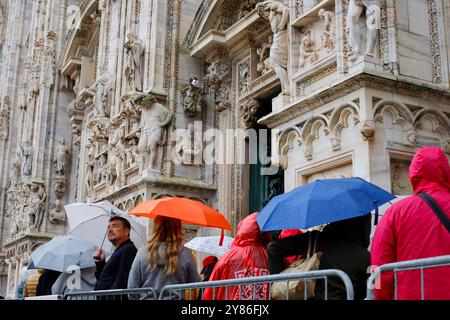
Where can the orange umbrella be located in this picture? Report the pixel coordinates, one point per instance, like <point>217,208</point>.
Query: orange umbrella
<point>187,210</point>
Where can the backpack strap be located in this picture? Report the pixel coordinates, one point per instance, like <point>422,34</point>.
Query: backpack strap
<point>436,209</point>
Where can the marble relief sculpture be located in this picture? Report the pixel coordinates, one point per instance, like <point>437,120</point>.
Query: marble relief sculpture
<point>102,90</point>
<point>278,15</point>
<point>61,158</point>
<point>27,158</point>
<point>193,101</point>
<point>263,67</point>
<point>308,54</point>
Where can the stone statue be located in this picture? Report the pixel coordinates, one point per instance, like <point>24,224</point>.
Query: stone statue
<point>27,158</point>
<point>134,52</point>
<point>244,75</point>
<point>193,98</point>
<point>36,205</point>
<point>278,15</point>
<point>14,174</point>
<point>102,89</point>
<point>90,162</point>
<point>116,159</point>
<point>308,54</point>
<point>61,158</point>
<point>263,52</point>
<point>327,44</point>
<point>101,170</point>
<point>373,24</point>
<point>355,11</point>
<point>155,119</point>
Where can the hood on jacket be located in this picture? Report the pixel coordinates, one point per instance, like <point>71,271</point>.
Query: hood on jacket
<point>248,233</point>
<point>429,170</point>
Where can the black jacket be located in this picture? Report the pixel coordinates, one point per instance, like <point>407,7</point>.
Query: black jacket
<point>46,281</point>
<point>344,245</point>
<point>114,273</point>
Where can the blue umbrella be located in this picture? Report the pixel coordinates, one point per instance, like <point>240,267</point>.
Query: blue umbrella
<point>62,252</point>
<point>320,202</point>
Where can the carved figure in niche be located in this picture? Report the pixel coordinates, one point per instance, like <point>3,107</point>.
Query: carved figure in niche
<point>154,119</point>
<point>134,52</point>
<point>193,101</point>
<point>35,207</point>
<point>246,7</point>
<point>328,18</point>
<point>263,52</point>
<point>14,174</point>
<point>132,153</point>
<point>102,89</point>
<point>308,54</point>
<point>278,15</point>
<point>27,158</point>
<point>354,13</point>
<point>190,147</point>
<point>61,157</point>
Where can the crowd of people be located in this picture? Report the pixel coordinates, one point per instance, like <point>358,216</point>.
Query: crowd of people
<point>410,229</point>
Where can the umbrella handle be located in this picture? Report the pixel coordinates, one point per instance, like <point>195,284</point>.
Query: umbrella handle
<point>222,236</point>
<point>104,237</point>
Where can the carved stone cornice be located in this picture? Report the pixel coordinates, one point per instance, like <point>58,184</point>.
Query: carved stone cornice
<point>424,91</point>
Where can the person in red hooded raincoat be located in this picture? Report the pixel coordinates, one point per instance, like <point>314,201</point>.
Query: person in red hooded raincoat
<point>246,258</point>
<point>411,230</point>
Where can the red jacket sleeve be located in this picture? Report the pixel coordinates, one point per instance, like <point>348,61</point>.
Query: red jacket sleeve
<point>384,250</point>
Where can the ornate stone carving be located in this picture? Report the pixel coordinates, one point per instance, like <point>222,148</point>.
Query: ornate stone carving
<point>4,118</point>
<point>133,71</point>
<point>278,15</point>
<point>436,58</point>
<point>308,54</point>
<point>248,113</point>
<point>400,183</point>
<point>60,186</point>
<point>57,214</point>
<point>132,153</point>
<point>367,132</point>
<point>154,121</point>
<point>193,101</point>
<point>218,79</point>
<point>90,164</point>
<point>26,153</point>
<point>263,67</point>
<point>244,76</point>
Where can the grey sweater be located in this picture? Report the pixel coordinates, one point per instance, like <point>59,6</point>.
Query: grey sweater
<point>141,277</point>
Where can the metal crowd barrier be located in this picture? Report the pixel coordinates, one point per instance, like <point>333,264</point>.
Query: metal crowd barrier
<point>419,264</point>
<point>119,294</point>
<point>49,297</point>
<point>167,291</point>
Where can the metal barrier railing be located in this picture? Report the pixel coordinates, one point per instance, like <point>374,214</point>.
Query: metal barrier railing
<point>119,294</point>
<point>48,297</point>
<point>167,291</point>
<point>419,264</point>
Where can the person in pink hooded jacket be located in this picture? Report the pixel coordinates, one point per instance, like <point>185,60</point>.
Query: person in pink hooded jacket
<point>411,230</point>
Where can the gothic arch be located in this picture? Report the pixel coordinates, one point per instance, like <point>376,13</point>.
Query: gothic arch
<point>440,123</point>
<point>339,120</point>
<point>286,142</point>
<point>310,132</point>
<point>399,112</point>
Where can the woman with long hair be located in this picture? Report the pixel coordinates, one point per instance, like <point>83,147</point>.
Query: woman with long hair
<point>164,260</point>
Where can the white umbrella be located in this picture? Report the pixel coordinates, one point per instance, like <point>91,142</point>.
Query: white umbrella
<point>62,252</point>
<point>210,245</point>
<point>90,222</point>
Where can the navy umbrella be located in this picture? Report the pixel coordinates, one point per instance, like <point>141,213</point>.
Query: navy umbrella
<point>320,202</point>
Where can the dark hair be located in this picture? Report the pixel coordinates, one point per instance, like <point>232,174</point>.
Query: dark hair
<point>125,222</point>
